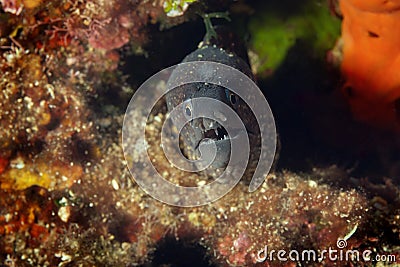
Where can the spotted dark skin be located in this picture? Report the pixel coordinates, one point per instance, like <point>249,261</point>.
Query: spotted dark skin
<point>225,49</point>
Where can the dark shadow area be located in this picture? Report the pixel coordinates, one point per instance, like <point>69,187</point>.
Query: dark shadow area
<point>289,91</point>
<point>315,126</point>
<point>165,48</point>
<point>285,8</point>
<point>175,253</point>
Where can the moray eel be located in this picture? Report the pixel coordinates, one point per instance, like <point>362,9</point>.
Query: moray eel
<point>227,49</point>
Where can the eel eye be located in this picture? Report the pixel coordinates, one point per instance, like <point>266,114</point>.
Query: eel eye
<point>188,110</point>
<point>231,97</point>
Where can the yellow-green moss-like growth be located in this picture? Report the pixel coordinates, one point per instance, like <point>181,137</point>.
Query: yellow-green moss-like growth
<point>274,33</point>
<point>175,8</point>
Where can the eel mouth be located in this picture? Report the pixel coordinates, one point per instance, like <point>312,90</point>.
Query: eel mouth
<point>214,132</point>
<point>218,133</point>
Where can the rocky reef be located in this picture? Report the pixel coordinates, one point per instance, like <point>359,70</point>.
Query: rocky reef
<point>68,69</point>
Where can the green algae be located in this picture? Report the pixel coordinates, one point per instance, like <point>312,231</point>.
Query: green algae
<point>174,8</point>
<point>273,33</point>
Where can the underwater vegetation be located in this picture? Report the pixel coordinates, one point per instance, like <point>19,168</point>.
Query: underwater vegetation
<point>174,8</point>
<point>68,69</point>
<point>274,33</point>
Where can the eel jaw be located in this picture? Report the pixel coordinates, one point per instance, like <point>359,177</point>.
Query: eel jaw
<point>217,134</point>
<point>212,131</point>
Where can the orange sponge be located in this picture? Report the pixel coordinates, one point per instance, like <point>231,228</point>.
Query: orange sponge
<point>371,60</point>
